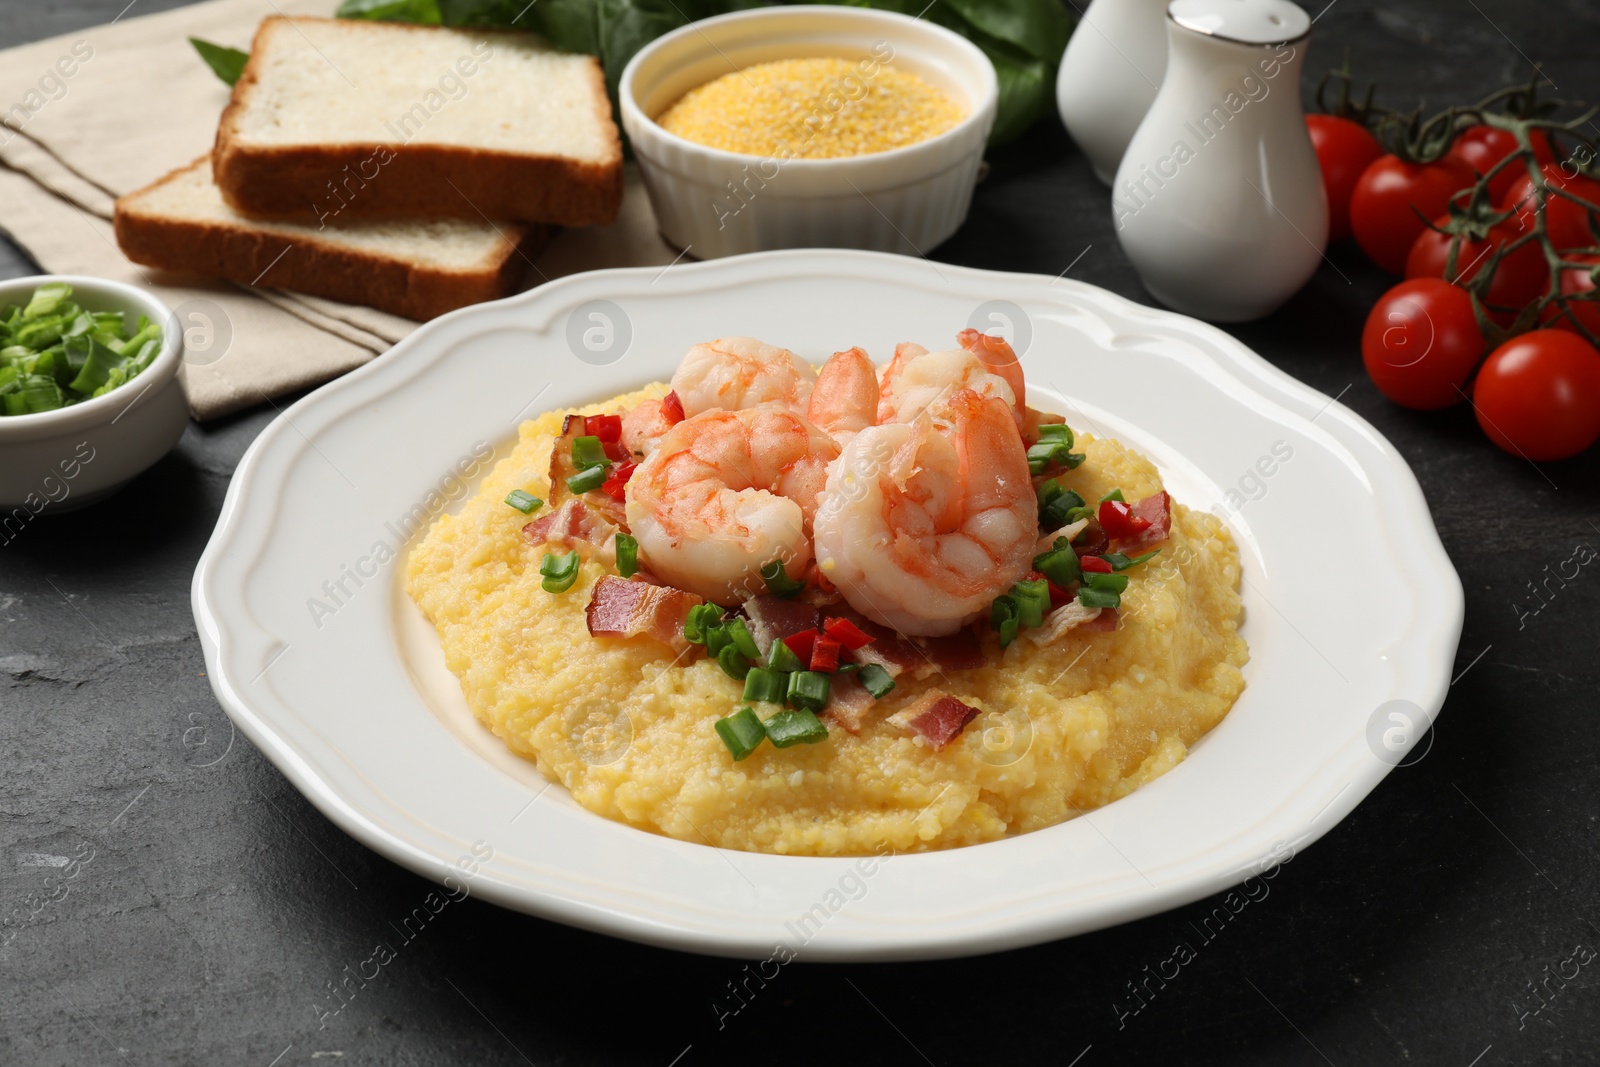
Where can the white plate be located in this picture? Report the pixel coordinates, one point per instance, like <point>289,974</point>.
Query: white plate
<point>1351,604</point>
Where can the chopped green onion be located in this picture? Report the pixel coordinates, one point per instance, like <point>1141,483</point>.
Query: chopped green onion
<point>585,480</point>
<point>877,681</point>
<point>733,663</point>
<point>1091,597</point>
<point>742,732</point>
<point>766,685</point>
<point>1003,616</point>
<point>1046,454</point>
<point>809,690</point>
<point>559,571</point>
<point>1033,601</point>
<point>1119,562</point>
<point>1102,590</point>
<point>702,617</point>
<point>1060,564</point>
<point>627,555</point>
<point>795,728</point>
<point>780,657</point>
<point>1056,431</point>
<point>778,581</point>
<point>54,354</point>
<point>740,634</point>
<point>1115,494</point>
<point>1079,514</point>
<point>588,452</point>
<point>1115,582</point>
<point>526,503</point>
<point>717,639</point>
<point>1055,503</point>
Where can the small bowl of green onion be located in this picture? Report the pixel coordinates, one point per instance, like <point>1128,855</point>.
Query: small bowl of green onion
<point>89,393</point>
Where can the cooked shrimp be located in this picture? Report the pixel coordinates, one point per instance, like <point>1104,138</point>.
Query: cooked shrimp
<point>917,378</point>
<point>726,492</point>
<point>924,523</point>
<point>644,427</point>
<point>740,372</point>
<point>998,358</point>
<point>845,400</point>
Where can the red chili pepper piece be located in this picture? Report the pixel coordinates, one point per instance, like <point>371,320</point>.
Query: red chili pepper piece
<point>672,409</point>
<point>1095,565</point>
<point>825,655</point>
<point>616,486</point>
<point>802,644</point>
<point>1118,520</point>
<point>606,427</point>
<point>616,451</point>
<point>1058,595</point>
<point>847,633</point>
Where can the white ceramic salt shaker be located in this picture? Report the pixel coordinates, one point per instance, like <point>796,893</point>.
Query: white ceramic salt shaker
<point>1110,73</point>
<point>1218,200</point>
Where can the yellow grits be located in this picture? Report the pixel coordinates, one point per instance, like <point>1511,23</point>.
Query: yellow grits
<point>821,108</point>
<point>1066,727</point>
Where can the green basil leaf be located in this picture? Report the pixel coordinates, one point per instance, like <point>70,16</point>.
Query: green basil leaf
<point>225,63</point>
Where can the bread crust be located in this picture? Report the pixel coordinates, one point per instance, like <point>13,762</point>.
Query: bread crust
<point>313,183</point>
<point>253,256</point>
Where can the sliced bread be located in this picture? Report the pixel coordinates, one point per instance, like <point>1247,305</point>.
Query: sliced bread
<point>416,269</point>
<point>337,118</point>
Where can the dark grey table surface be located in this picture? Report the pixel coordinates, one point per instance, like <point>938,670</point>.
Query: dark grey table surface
<point>217,907</point>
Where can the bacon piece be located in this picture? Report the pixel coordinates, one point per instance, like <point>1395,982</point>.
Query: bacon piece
<point>572,523</point>
<point>772,618</point>
<point>921,657</point>
<point>562,468</point>
<point>848,702</point>
<point>623,608</point>
<point>1092,541</point>
<point>1155,509</point>
<point>936,717</point>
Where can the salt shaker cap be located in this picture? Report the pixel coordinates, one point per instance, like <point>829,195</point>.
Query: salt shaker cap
<point>1245,21</point>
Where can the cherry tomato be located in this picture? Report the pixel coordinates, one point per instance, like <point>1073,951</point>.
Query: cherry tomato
<point>1481,147</point>
<point>1566,223</point>
<point>1519,279</point>
<point>1384,206</point>
<point>1421,343</point>
<point>1538,395</point>
<point>1576,280</point>
<point>1344,149</point>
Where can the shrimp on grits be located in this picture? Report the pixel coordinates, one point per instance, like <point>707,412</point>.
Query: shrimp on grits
<point>810,588</point>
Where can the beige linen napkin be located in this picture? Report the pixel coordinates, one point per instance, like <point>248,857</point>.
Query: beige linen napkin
<point>89,116</point>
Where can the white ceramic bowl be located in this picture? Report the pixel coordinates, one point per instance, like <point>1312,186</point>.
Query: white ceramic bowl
<point>713,203</point>
<point>59,460</point>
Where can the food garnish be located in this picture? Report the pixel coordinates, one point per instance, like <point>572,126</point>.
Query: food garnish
<point>54,354</point>
<point>559,571</point>
<point>523,501</point>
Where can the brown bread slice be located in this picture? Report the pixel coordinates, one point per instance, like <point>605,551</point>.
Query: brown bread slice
<point>355,119</point>
<point>416,269</point>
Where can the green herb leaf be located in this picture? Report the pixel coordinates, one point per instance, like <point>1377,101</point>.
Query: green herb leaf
<point>425,12</point>
<point>1119,562</point>
<point>225,63</point>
